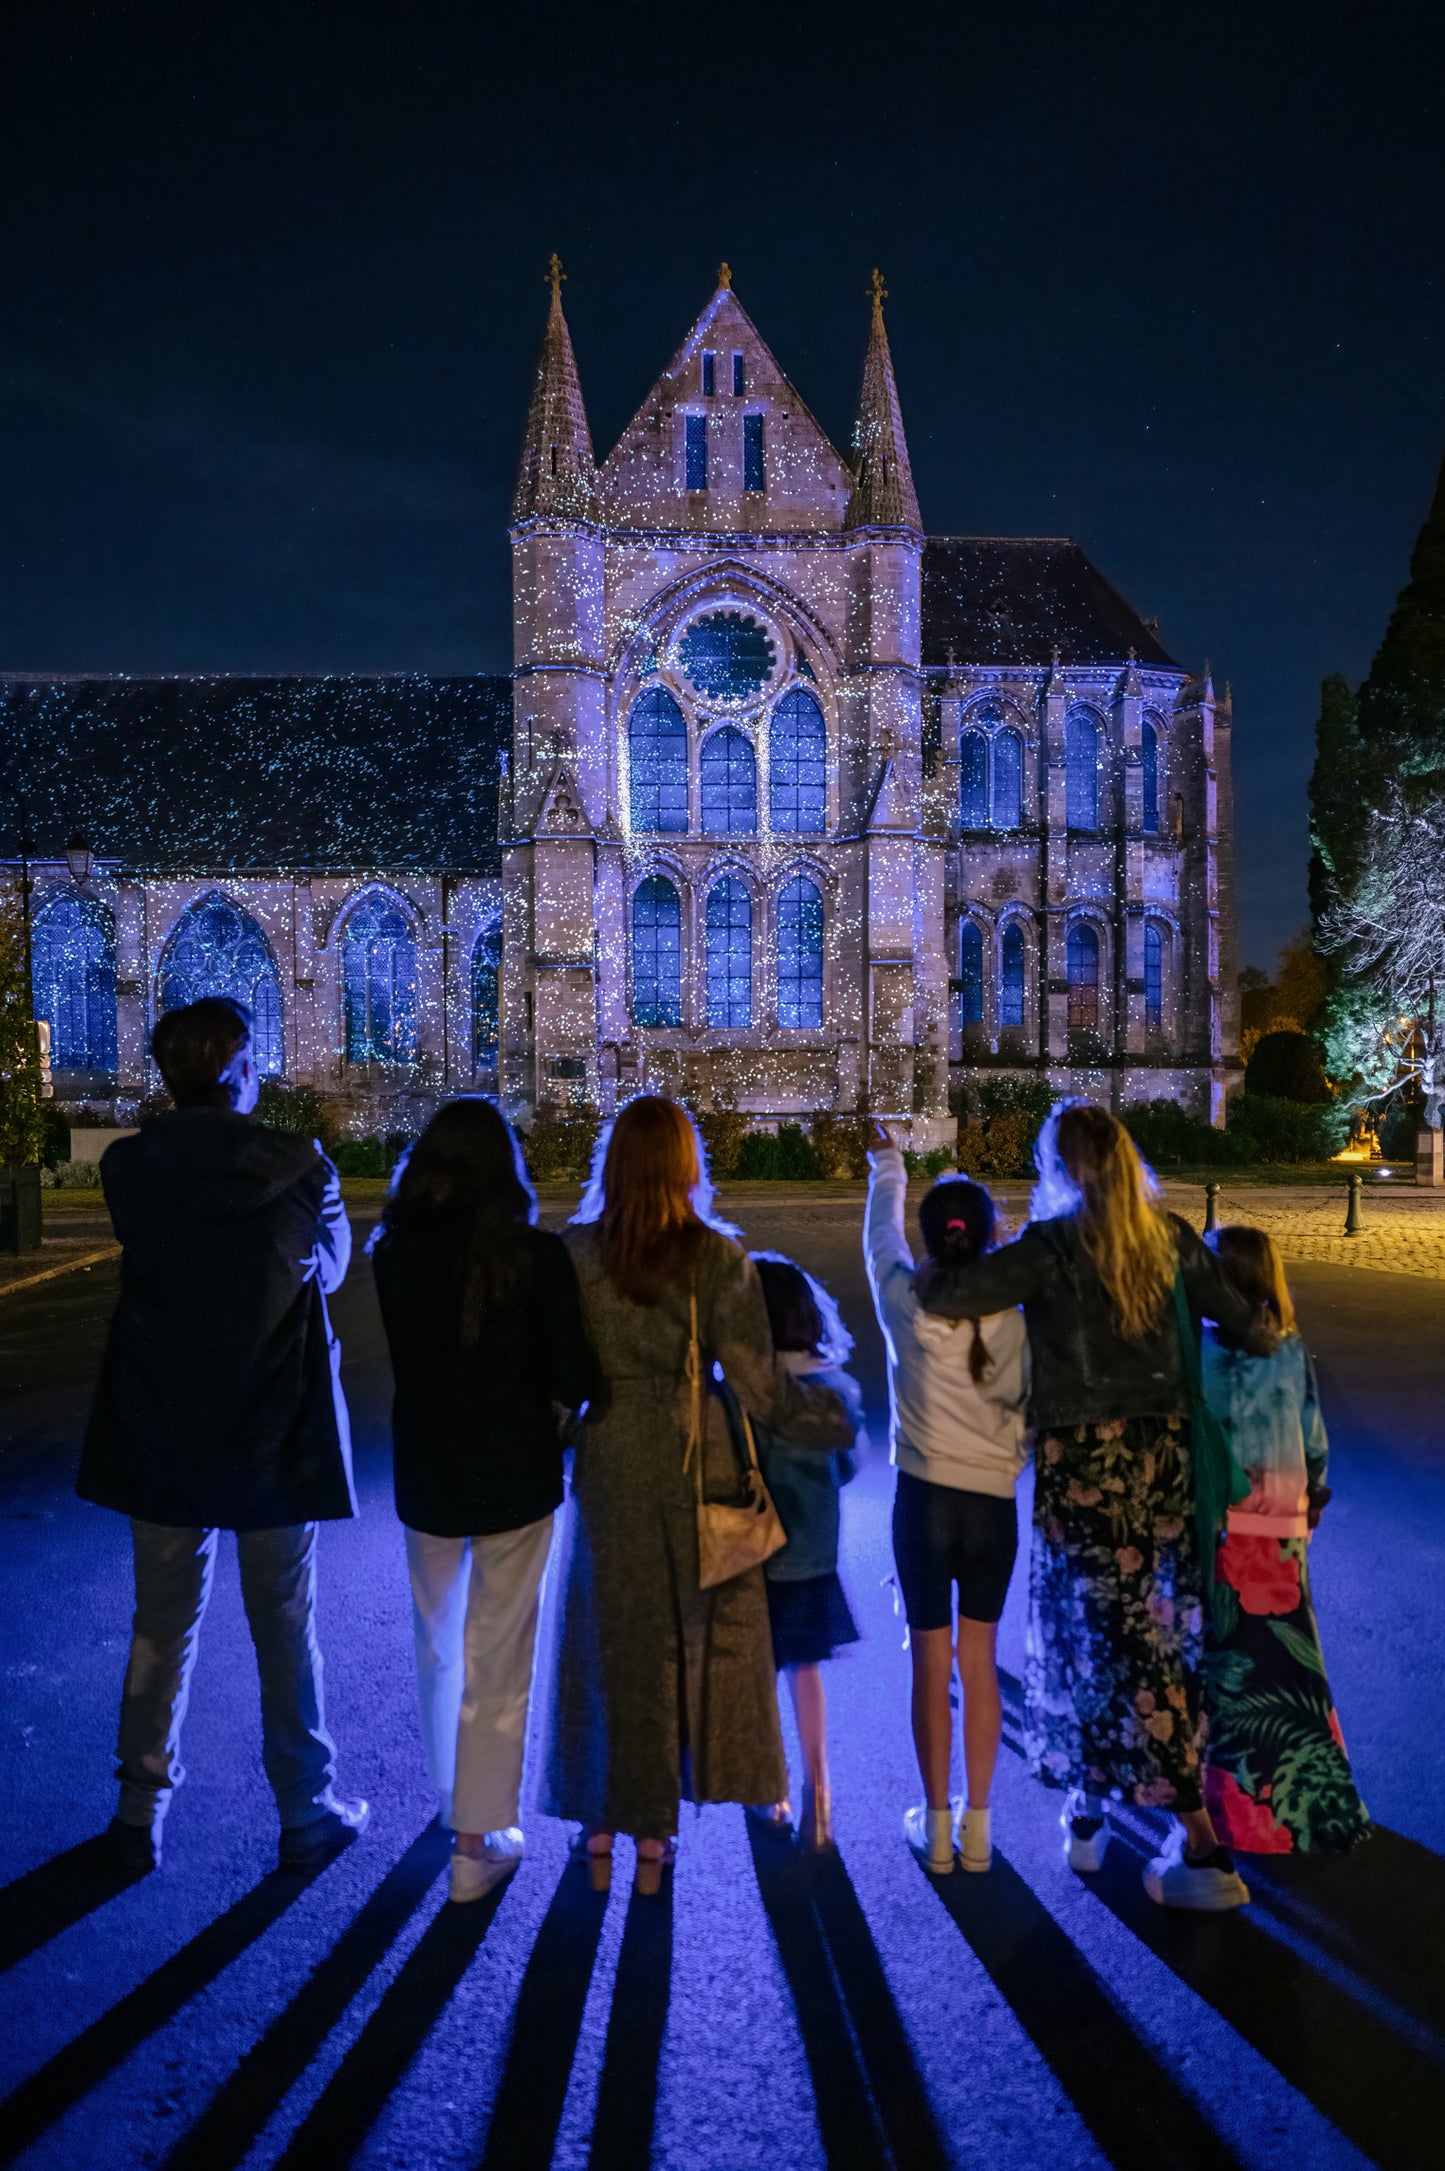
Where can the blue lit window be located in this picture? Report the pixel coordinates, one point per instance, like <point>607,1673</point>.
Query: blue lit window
<point>729,776</point>
<point>729,954</point>
<point>800,954</point>
<point>378,980</point>
<point>970,994</point>
<point>798,766</point>
<point>656,953</point>
<point>1149,763</point>
<point>739,378</point>
<point>973,780</point>
<point>1011,977</point>
<point>486,996</point>
<point>1153,977</point>
<point>697,452</point>
<point>753,474</point>
<point>1082,962</point>
<point>1081,769</point>
<point>73,956</point>
<point>727,655</point>
<point>657,743</point>
<point>216,950</point>
<point>709,385</point>
<point>1008,781</point>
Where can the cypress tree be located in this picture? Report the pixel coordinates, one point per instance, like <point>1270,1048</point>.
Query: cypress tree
<point>1340,796</point>
<point>1402,702</point>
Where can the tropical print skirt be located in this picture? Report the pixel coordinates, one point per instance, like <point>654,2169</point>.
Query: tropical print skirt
<point>1112,1679</point>
<point>1278,1780</point>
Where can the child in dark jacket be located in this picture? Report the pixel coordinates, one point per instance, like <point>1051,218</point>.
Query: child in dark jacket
<point>807,1606</point>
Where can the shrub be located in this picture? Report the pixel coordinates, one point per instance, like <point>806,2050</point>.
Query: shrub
<point>558,1147</point>
<point>722,1131</point>
<point>840,1142</point>
<point>55,1128</point>
<point>1287,1066</point>
<point>1283,1130</point>
<point>787,1157</point>
<point>72,1176</point>
<point>930,1164</point>
<point>365,1156</point>
<point>298,1110</point>
<point>1167,1135</point>
<point>1002,1117</point>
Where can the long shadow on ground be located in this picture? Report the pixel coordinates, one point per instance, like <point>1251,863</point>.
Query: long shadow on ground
<point>546,2025</point>
<point>58,1894</point>
<point>627,2093</point>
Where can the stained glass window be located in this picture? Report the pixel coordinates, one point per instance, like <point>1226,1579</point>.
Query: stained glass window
<point>739,374</point>
<point>1011,977</point>
<point>486,996</point>
<point>729,777</point>
<point>1008,781</point>
<point>214,949</point>
<point>709,373</point>
<point>378,978</point>
<point>727,655</point>
<point>1153,977</point>
<point>973,780</point>
<point>696,452</point>
<point>1149,763</point>
<point>656,953</point>
<point>798,766</point>
<point>73,953</point>
<point>800,954</point>
<point>970,994</point>
<point>1082,961</point>
<point>1081,769</point>
<point>657,744</point>
<point>753,475</point>
<point>729,954</point>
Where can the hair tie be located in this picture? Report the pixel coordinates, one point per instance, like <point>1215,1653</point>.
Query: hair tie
<point>950,1226</point>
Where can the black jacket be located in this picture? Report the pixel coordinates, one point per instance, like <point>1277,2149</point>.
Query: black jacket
<point>1083,1370</point>
<point>218,1402</point>
<point>477,1446</point>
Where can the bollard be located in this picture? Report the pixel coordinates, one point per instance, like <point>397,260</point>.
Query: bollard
<point>1353,1224</point>
<point>1211,1207</point>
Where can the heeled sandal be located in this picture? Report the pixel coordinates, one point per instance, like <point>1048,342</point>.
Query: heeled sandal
<point>647,1877</point>
<point>584,1848</point>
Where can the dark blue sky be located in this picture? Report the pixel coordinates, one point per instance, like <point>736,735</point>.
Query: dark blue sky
<point>1169,280</point>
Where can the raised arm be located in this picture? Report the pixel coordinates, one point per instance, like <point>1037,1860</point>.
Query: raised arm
<point>885,1246</point>
<point>735,1331</point>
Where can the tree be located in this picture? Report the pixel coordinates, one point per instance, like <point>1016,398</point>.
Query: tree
<point>1340,795</point>
<point>1388,936</point>
<point>22,1130</point>
<point>1290,1003</point>
<point>1402,702</point>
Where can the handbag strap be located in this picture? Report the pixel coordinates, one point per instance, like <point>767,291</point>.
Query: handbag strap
<point>1188,1345</point>
<point>692,1457</point>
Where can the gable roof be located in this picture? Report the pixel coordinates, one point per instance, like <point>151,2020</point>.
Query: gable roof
<point>344,773</point>
<point>992,599</point>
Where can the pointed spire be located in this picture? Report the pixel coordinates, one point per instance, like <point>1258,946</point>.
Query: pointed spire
<point>558,473</point>
<point>883,492</point>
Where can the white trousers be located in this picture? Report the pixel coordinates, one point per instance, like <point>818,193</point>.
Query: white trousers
<point>474,1609</point>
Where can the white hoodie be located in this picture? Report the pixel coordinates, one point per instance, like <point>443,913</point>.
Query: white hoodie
<point>946,1428</point>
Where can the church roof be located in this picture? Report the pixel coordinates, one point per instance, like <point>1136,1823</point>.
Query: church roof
<point>993,599</point>
<point>345,773</point>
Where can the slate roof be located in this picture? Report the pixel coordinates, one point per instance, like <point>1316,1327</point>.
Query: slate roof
<point>998,600</point>
<point>345,773</point>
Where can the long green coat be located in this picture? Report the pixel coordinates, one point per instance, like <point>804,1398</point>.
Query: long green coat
<point>651,1670</point>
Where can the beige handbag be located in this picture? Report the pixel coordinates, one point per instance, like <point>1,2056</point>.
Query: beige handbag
<point>741,1533</point>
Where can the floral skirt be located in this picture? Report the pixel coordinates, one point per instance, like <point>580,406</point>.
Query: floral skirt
<point>1112,1686</point>
<point>1278,1780</point>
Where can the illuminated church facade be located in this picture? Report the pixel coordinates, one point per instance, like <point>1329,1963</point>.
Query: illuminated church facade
<point>786,806</point>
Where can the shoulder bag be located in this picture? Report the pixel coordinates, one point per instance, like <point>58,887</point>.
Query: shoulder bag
<point>1219,1483</point>
<point>737,1534</point>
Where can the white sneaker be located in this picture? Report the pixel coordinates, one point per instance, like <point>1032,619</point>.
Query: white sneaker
<point>975,1839</point>
<point>1086,1833</point>
<point>474,1875</point>
<point>1208,1888</point>
<point>929,1832</point>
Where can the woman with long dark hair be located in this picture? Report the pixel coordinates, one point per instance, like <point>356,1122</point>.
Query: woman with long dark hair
<point>487,1339</point>
<point>663,1687</point>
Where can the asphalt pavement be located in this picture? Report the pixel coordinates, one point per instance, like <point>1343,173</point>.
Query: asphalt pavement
<point>764,2011</point>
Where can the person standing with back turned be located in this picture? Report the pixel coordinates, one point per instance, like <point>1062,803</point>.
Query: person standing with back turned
<point>219,1408</point>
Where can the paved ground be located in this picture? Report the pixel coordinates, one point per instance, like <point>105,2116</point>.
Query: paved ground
<point>213,2016</point>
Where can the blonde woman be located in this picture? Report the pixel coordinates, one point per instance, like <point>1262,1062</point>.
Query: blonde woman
<point>1116,1592</point>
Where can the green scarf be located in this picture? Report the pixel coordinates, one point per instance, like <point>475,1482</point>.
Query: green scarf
<point>1218,1480</point>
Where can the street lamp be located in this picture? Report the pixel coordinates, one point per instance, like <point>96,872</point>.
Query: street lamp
<point>79,858</point>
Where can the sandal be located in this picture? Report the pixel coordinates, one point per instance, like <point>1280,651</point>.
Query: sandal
<point>647,1878</point>
<point>595,1849</point>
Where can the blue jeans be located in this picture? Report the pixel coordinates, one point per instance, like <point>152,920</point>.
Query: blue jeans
<point>173,1573</point>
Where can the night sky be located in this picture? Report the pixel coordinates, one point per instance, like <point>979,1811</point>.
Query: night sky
<point>1166,279</point>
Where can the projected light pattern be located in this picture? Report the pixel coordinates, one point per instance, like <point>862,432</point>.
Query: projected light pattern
<point>656,953</point>
<point>800,954</point>
<point>73,951</point>
<point>380,983</point>
<point>217,950</point>
<point>729,941</point>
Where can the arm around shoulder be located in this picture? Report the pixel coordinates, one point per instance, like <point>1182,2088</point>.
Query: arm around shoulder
<point>997,1282</point>
<point>805,1412</point>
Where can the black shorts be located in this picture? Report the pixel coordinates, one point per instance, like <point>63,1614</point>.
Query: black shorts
<point>942,1536</point>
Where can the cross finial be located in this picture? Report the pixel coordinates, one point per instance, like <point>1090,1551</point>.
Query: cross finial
<point>1133,655</point>
<point>878,290</point>
<point>555,276</point>
<point>724,274</point>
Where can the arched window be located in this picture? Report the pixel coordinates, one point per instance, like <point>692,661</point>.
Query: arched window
<point>970,974</point>
<point>1149,764</point>
<point>1082,961</point>
<point>798,764</point>
<point>657,744</point>
<point>378,980</point>
<point>1008,781</point>
<point>73,954</point>
<point>214,949</point>
<point>656,953</point>
<point>729,953</point>
<point>973,780</point>
<point>1011,977</point>
<point>729,785</point>
<point>1155,938</point>
<point>1081,770</point>
<point>800,954</point>
<point>487,996</point>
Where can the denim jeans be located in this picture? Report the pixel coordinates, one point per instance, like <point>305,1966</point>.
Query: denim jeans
<point>173,1574</point>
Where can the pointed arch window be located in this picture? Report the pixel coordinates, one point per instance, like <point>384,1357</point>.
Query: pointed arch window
<point>1006,799</point>
<point>800,954</point>
<point>1082,965</point>
<point>657,748</point>
<point>656,953</point>
<point>1011,990</point>
<point>1081,769</point>
<point>1149,764</point>
<point>729,776</point>
<point>973,780</point>
<point>216,949</point>
<point>970,974</point>
<point>696,452</point>
<point>487,996</point>
<point>379,983</point>
<point>73,957</point>
<point>729,954</point>
<point>1156,938</point>
<point>798,766</point>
